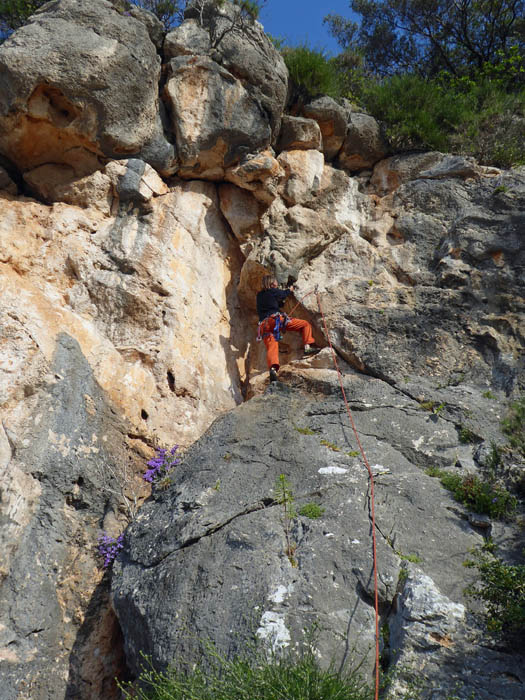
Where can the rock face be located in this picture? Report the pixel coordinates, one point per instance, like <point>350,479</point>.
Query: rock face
<point>209,555</point>
<point>81,83</point>
<point>62,447</point>
<point>127,321</point>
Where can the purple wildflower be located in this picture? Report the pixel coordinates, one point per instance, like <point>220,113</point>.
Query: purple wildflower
<point>108,547</point>
<point>161,465</point>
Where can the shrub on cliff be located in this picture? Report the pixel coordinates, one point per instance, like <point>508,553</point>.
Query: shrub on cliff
<point>473,117</point>
<point>312,73</point>
<point>500,586</point>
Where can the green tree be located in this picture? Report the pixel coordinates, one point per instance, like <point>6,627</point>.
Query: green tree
<point>428,36</point>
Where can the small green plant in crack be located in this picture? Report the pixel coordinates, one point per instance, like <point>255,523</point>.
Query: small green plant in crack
<point>353,453</point>
<point>227,457</point>
<point>500,189</point>
<point>217,486</point>
<point>432,406</point>
<point>466,435</point>
<point>311,510</point>
<point>488,394</point>
<point>414,558</point>
<point>403,575</point>
<point>284,497</point>
<point>304,431</point>
<point>330,445</point>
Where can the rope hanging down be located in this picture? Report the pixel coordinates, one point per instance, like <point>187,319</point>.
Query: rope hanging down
<point>376,602</point>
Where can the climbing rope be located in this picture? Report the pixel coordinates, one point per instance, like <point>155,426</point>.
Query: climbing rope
<point>370,474</point>
<point>340,376</point>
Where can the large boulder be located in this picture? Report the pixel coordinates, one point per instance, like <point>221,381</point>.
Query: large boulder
<point>364,143</point>
<point>332,119</point>
<point>80,85</point>
<point>241,47</point>
<point>299,133</point>
<point>214,117</point>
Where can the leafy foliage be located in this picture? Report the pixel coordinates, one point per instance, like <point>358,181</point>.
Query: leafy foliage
<point>427,36</point>
<point>241,679</point>
<point>14,13</point>
<point>481,496</point>
<point>169,12</point>
<point>311,510</point>
<point>312,73</point>
<point>501,587</point>
<point>474,118</point>
<point>514,425</point>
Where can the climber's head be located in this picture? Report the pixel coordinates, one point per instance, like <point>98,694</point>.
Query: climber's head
<point>269,281</point>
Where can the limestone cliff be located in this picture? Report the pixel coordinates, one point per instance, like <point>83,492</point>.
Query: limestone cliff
<point>146,185</point>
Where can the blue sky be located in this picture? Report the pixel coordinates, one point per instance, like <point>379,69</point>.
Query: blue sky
<point>302,20</point>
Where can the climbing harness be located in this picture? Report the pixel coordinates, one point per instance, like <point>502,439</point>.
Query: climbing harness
<point>371,476</point>
<point>281,321</point>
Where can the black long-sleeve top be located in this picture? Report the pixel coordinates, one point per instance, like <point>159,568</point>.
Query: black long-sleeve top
<point>270,300</point>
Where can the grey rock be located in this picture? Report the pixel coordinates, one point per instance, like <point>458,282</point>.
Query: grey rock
<point>208,554</point>
<point>298,133</point>
<point>152,23</point>
<point>81,83</point>
<point>128,187</point>
<point>480,520</point>
<point>332,119</point>
<point>187,39</point>
<point>452,166</point>
<point>428,633</point>
<point>364,143</point>
<point>66,477</point>
<point>242,48</point>
<point>451,321</point>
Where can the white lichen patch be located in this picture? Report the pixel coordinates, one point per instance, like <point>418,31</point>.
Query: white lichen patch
<point>417,443</point>
<point>280,594</point>
<point>332,470</point>
<point>273,632</point>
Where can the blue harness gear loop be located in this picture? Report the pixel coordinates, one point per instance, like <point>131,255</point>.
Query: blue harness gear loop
<point>281,321</point>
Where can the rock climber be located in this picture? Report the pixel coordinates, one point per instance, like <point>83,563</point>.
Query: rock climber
<point>273,322</point>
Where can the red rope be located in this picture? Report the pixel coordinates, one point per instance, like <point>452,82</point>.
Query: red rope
<point>376,602</point>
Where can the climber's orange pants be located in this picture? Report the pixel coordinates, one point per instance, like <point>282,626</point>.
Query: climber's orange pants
<point>272,346</point>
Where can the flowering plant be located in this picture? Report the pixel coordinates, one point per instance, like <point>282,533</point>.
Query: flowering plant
<point>161,465</point>
<point>109,547</point>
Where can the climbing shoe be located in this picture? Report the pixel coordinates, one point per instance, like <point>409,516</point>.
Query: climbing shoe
<point>311,350</point>
<point>273,374</point>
